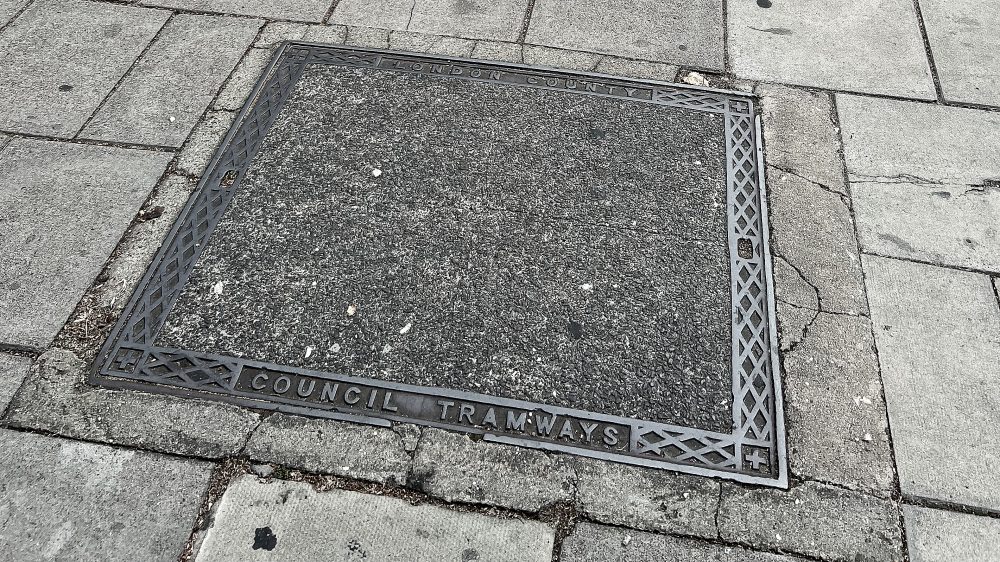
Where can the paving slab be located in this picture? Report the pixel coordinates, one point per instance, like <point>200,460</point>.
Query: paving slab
<point>935,535</point>
<point>936,334</point>
<point>455,468</point>
<point>812,519</point>
<point>837,428</point>
<point>13,369</point>
<point>295,10</point>
<point>343,449</point>
<point>596,543</point>
<point>292,521</point>
<point>617,66</point>
<point>68,204</point>
<point>199,148</point>
<point>919,176</point>
<point>61,58</point>
<point>965,56</point>
<point>55,399</point>
<point>646,498</point>
<point>477,19</point>
<point>683,33</point>
<point>165,94</point>
<point>414,42</point>
<point>854,45</point>
<point>277,31</point>
<point>67,500</point>
<point>9,9</point>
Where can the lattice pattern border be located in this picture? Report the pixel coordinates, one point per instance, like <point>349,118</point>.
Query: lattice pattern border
<point>754,452</point>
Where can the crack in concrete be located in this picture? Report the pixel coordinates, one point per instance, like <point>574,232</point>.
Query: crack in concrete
<point>410,19</point>
<point>841,194</point>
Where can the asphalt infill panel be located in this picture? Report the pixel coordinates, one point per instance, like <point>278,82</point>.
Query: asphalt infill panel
<point>551,259</point>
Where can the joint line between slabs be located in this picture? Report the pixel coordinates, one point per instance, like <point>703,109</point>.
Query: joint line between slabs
<point>135,63</point>
<point>938,91</point>
<point>523,35</point>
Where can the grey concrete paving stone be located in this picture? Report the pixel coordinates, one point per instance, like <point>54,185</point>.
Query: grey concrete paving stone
<point>67,206</point>
<point>854,45</point>
<point>453,467</point>
<point>800,136</point>
<point>165,94</point>
<point>559,58</point>
<point>793,321</point>
<point>596,543</point>
<point>60,58</point>
<point>476,19</point>
<point>836,419</point>
<point>792,288</point>
<point>646,498</point>
<point>918,176</point>
<point>685,33</point>
<point>13,369</point>
<point>295,10</point>
<point>934,535</point>
<point>813,232</point>
<point>617,66</point>
<point>54,399</point>
<point>367,37</point>
<point>812,519</point>
<point>242,80</point>
<point>961,37</point>
<point>343,449</point>
<point>66,500</point>
<point>497,51</point>
<point>433,44</point>
<point>277,31</point>
<point>9,9</point>
<point>205,138</point>
<point>936,334</point>
<point>292,521</point>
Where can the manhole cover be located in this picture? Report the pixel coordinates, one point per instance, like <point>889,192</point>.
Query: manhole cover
<point>557,260</point>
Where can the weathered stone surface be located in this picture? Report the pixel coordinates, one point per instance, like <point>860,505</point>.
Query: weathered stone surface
<point>66,500</point>
<point>200,146</point>
<point>793,322</point>
<point>497,51</point>
<point>559,58</point>
<point>167,91</point>
<point>13,369</point>
<point>800,136</point>
<point>61,57</point>
<point>836,419</point>
<point>646,498</point>
<point>433,44</point>
<point>454,467</point>
<point>292,521</point>
<point>812,519</point>
<point>597,543</point>
<point>617,66</point>
<point>689,34</point>
<point>66,206</point>
<point>296,10</point>
<point>477,19</point>
<point>934,535</point>
<point>340,448</point>
<point>965,56</point>
<point>367,37</point>
<point>918,176</point>
<point>792,288</point>
<point>10,8</point>
<point>936,334</point>
<point>242,80</point>
<point>277,31</point>
<point>854,45</point>
<point>54,399</point>
<point>814,233</point>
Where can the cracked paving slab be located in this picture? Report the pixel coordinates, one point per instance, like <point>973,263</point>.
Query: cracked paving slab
<point>278,520</point>
<point>919,177</point>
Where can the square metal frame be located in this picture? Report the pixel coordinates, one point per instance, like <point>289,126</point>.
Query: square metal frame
<point>753,453</point>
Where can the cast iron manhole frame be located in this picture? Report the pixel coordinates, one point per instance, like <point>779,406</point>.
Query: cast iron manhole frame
<point>754,452</point>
